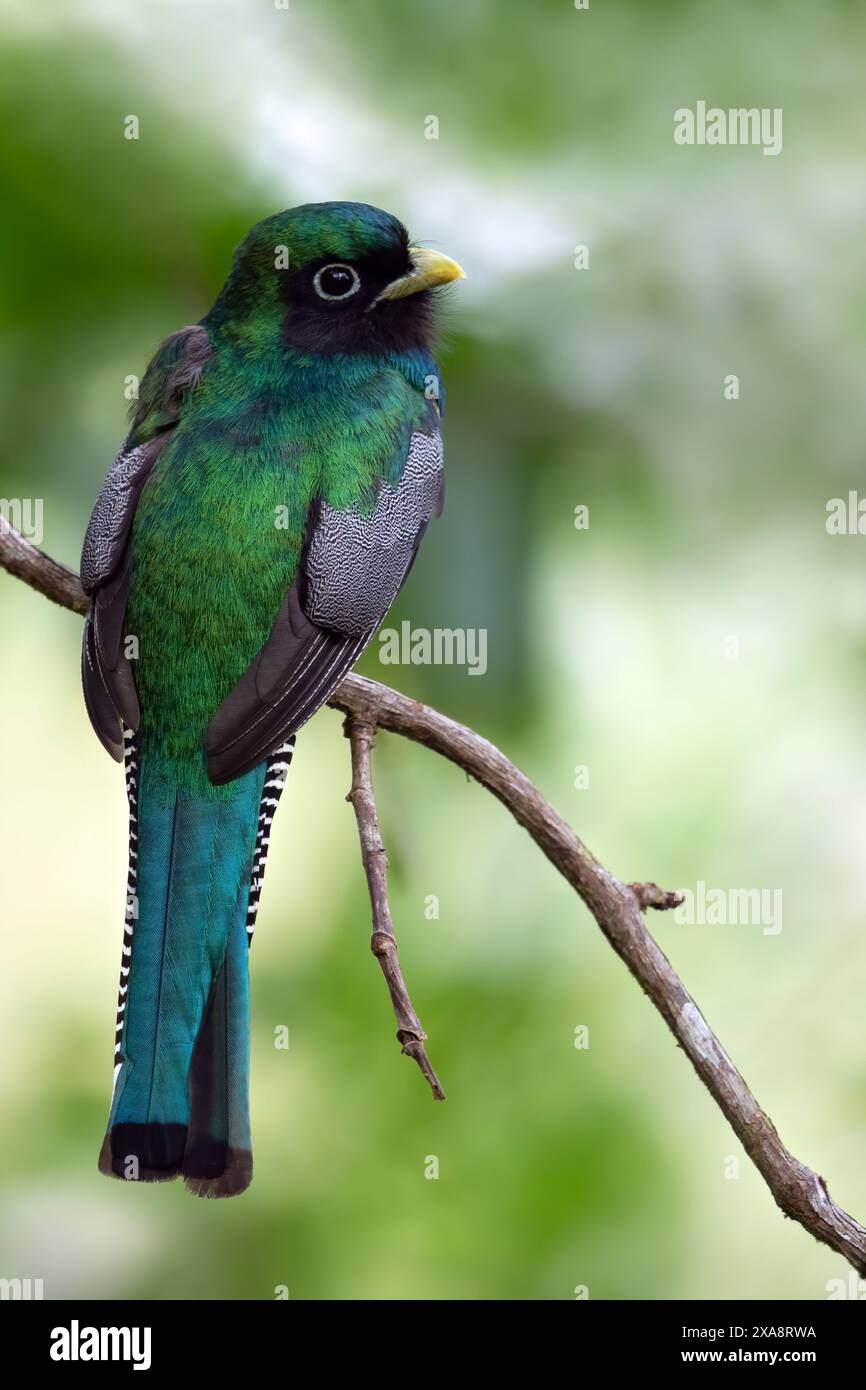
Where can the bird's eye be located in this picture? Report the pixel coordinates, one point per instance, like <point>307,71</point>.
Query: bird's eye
<point>336,281</point>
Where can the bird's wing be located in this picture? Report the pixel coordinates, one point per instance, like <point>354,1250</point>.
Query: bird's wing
<point>109,688</point>
<point>351,570</point>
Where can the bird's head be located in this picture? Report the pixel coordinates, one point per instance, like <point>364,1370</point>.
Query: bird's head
<point>333,277</point>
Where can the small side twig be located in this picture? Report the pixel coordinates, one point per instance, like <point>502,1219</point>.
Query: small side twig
<point>410,1033</point>
<point>650,895</point>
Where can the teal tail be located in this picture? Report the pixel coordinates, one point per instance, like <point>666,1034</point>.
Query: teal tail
<point>180,1104</point>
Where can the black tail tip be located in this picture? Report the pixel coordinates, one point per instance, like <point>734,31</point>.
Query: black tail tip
<point>159,1152</point>
<point>234,1176</point>
<point>143,1153</point>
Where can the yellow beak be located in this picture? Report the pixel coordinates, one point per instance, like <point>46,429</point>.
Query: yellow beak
<point>429,268</point>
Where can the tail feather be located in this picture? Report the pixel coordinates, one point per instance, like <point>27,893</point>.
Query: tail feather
<point>180,1102</point>
<point>276,772</point>
<point>217,1159</point>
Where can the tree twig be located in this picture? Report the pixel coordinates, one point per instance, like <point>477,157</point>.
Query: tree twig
<point>361,734</point>
<point>617,908</point>
<point>650,895</point>
<point>37,569</point>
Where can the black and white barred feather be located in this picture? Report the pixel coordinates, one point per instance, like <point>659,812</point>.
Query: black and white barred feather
<point>275,779</point>
<point>131,769</point>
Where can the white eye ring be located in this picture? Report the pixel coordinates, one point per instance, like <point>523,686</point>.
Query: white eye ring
<point>336,265</point>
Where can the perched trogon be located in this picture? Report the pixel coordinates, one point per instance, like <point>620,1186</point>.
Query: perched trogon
<point>283,462</point>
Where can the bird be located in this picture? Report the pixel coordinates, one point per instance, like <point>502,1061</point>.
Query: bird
<point>283,461</point>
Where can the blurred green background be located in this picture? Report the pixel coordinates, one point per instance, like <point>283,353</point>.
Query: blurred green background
<point>609,647</point>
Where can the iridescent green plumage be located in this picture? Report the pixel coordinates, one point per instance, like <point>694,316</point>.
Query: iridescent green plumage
<point>221,523</point>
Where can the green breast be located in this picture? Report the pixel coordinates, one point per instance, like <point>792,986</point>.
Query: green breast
<point>220,525</point>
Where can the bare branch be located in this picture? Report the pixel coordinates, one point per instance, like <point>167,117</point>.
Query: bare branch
<point>617,908</point>
<point>410,1033</point>
<point>37,569</point>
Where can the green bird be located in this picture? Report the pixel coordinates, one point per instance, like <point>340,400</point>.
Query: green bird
<point>283,462</point>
